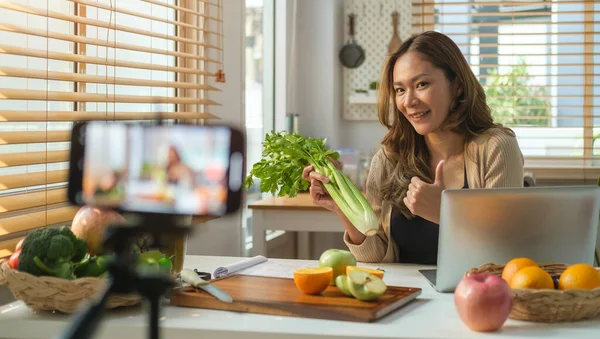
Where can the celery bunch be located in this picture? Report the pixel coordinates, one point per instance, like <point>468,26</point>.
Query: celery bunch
<point>284,157</point>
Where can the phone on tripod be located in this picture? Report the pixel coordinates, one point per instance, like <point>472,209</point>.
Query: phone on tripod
<point>164,169</point>
<point>158,172</point>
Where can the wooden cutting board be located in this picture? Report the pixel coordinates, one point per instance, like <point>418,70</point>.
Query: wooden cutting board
<point>279,296</point>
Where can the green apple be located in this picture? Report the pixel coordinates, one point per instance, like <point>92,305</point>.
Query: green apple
<point>342,285</point>
<point>337,260</point>
<point>365,286</point>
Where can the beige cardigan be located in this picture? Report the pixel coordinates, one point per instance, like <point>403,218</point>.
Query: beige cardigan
<point>493,159</point>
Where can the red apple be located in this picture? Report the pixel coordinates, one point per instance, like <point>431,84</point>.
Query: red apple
<point>483,301</point>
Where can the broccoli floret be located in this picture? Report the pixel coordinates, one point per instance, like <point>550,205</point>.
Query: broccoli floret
<point>36,244</point>
<point>32,247</point>
<point>50,251</point>
<point>80,249</point>
<point>61,248</point>
<point>44,234</point>
<point>64,230</point>
<point>79,244</point>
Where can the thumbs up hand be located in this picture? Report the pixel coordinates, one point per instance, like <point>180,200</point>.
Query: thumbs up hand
<point>424,199</point>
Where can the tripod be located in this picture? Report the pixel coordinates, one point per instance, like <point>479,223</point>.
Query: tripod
<point>123,277</point>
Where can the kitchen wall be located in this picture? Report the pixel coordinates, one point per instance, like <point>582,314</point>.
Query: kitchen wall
<point>223,236</point>
<point>317,84</point>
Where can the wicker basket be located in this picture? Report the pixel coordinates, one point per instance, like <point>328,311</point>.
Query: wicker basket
<point>550,306</point>
<point>55,294</point>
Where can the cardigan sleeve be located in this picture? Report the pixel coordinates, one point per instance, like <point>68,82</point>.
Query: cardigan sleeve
<point>503,161</point>
<point>373,248</point>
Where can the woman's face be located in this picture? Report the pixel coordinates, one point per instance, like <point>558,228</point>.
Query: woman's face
<point>423,93</point>
<point>173,156</point>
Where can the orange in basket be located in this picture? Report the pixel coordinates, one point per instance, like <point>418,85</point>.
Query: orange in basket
<point>514,266</point>
<point>548,305</point>
<point>313,280</point>
<point>532,277</point>
<point>579,276</point>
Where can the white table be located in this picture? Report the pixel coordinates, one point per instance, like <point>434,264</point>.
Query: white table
<point>432,315</point>
<point>297,214</point>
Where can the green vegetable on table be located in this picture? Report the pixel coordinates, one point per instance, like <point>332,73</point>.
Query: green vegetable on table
<point>148,266</point>
<point>280,172</point>
<point>165,265</point>
<point>53,252</point>
<point>94,267</point>
<point>156,255</point>
<point>152,262</point>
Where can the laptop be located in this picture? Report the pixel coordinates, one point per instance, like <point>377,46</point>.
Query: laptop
<point>546,224</point>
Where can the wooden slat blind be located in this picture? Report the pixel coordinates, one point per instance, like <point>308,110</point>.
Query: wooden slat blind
<point>32,199</point>
<point>82,59</point>
<point>539,63</point>
<point>32,179</point>
<point>7,246</point>
<point>34,74</point>
<point>33,137</point>
<point>71,60</point>
<point>31,116</point>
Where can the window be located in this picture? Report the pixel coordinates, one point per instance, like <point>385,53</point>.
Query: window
<point>68,60</point>
<point>258,93</point>
<point>539,64</point>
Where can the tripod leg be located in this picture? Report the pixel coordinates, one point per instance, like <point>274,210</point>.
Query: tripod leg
<point>84,326</point>
<point>154,308</point>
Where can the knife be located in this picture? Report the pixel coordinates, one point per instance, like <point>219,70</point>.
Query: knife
<point>192,278</point>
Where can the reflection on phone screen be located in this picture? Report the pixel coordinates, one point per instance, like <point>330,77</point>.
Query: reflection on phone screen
<point>178,169</point>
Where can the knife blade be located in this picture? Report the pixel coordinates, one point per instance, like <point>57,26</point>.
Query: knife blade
<point>195,281</point>
<point>216,292</point>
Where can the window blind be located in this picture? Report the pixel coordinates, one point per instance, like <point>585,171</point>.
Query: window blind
<point>71,60</point>
<point>539,64</point>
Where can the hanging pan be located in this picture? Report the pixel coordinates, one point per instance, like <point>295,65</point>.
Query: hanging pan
<point>352,55</point>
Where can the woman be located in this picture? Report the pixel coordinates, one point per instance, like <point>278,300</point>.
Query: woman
<point>177,171</point>
<point>441,135</point>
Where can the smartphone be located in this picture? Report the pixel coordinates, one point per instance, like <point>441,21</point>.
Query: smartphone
<point>164,169</point>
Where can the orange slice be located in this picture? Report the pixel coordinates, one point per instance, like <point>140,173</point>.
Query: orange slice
<point>313,280</point>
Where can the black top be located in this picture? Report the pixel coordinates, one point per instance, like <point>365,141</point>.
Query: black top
<point>417,239</point>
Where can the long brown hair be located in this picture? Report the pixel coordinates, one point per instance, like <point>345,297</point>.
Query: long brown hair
<point>405,149</point>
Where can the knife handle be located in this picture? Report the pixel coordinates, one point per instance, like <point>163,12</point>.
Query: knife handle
<point>192,278</point>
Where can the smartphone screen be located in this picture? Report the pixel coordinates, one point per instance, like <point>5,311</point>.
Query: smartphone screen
<point>174,169</point>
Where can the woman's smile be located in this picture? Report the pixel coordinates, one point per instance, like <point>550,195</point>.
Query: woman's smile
<point>419,116</point>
